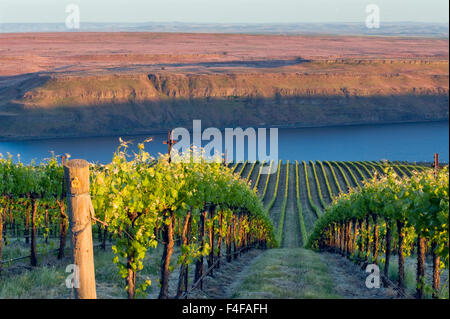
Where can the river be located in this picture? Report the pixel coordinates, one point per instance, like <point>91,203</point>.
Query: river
<point>413,142</point>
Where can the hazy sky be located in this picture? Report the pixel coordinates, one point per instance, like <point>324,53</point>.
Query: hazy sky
<point>223,11</point>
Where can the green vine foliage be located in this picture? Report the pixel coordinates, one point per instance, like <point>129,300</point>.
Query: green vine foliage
<point>421,202</point>
<point>136,196</point>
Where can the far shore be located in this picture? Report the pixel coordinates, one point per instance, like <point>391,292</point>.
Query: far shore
<point>164,131</point>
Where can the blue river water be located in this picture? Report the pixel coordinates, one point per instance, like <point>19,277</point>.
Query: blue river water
<point>413,142</point>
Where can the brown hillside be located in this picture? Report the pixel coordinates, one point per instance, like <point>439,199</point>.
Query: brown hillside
<point>81,84</point>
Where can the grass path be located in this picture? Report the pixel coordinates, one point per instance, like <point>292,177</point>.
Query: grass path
<point>254,175</point>
<point>313,187</point>
<point>270,187</point>
<point>308,213</point>
<point>291,232</point>
<point>286,273</point>
<point>299,273</point>
<point>246,170</point>
<point>333,186</point>
<point>276,208</point>
<point>350,181</point>
<point>340,177</point>
<point>366,170</point>
<point>325,193</point>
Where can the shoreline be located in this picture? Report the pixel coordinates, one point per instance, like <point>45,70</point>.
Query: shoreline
<point>162,131</point>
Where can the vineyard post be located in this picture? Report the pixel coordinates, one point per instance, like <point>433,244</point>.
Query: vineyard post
<point>76,175</point>
<point>367,245</point>
<point>338,238</point>
<point>1,231</point>
<point>33,230</point>
<point>62,228</point>
<point>228,239</point>
<point>401,256</point>
<point>170,143</point>
<point>234,237</point>
<point>349,239</point>
<point>355,235</point>
<point>188,240</point>
<point>201,239</point>
<point>436,273</point>
<point>345,232</point>
<point>333,238</point>
<point>436,161</point>
<point>361,238</point>
<point>420,275</point>
<point>46,222</point>
<point>184,243</point>
<point>376,238</point>
<point>62,218</point>
<point>219,240</point>
<point>167,254</point>
<point>388,248</point>
<point>27,224</point>
<point>104,237</point>
<point>212,210</point>
<point>436,258</point>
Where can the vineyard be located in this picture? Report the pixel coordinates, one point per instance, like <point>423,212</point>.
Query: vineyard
<point>318,205</point>
<point>177,221</point>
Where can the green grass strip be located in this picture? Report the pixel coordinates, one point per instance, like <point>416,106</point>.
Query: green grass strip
<point>399,169</point>
<point>356,168</point>
<point>355,180</point>
<point>275,193</point>
<point>234,167</point>
<point>343,175</point>
<point>311,203</point>
<point>366,169</point>
<point>251,171</point>
<point>259,175</point>
<point>319,190</point>
<point>327,182</point>
<point>334,177</point>
<point>405,168</point>
<point>376,167</point>
<point>242,168</point>
<point>299,209</point>
<point>283,207</point>
<point>267,181</point>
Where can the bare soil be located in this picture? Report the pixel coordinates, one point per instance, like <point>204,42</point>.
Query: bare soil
<point>224,282</point>
<point>350,279</point>
<point>23,53</point>
<point>344,278</point>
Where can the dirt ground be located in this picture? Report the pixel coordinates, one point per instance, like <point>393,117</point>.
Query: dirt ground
<point>23,53</point>
<point>339,278</point>
<point>350,279</point>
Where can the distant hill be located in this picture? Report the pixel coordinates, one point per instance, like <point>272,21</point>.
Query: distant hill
<point>386,29</point>
<point>117,83</point>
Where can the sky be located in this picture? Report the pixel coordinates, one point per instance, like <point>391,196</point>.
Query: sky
<point>223,11</point>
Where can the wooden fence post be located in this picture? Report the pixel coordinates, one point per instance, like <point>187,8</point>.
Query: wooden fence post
<point>76,175</point>
<point>436,161</point>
